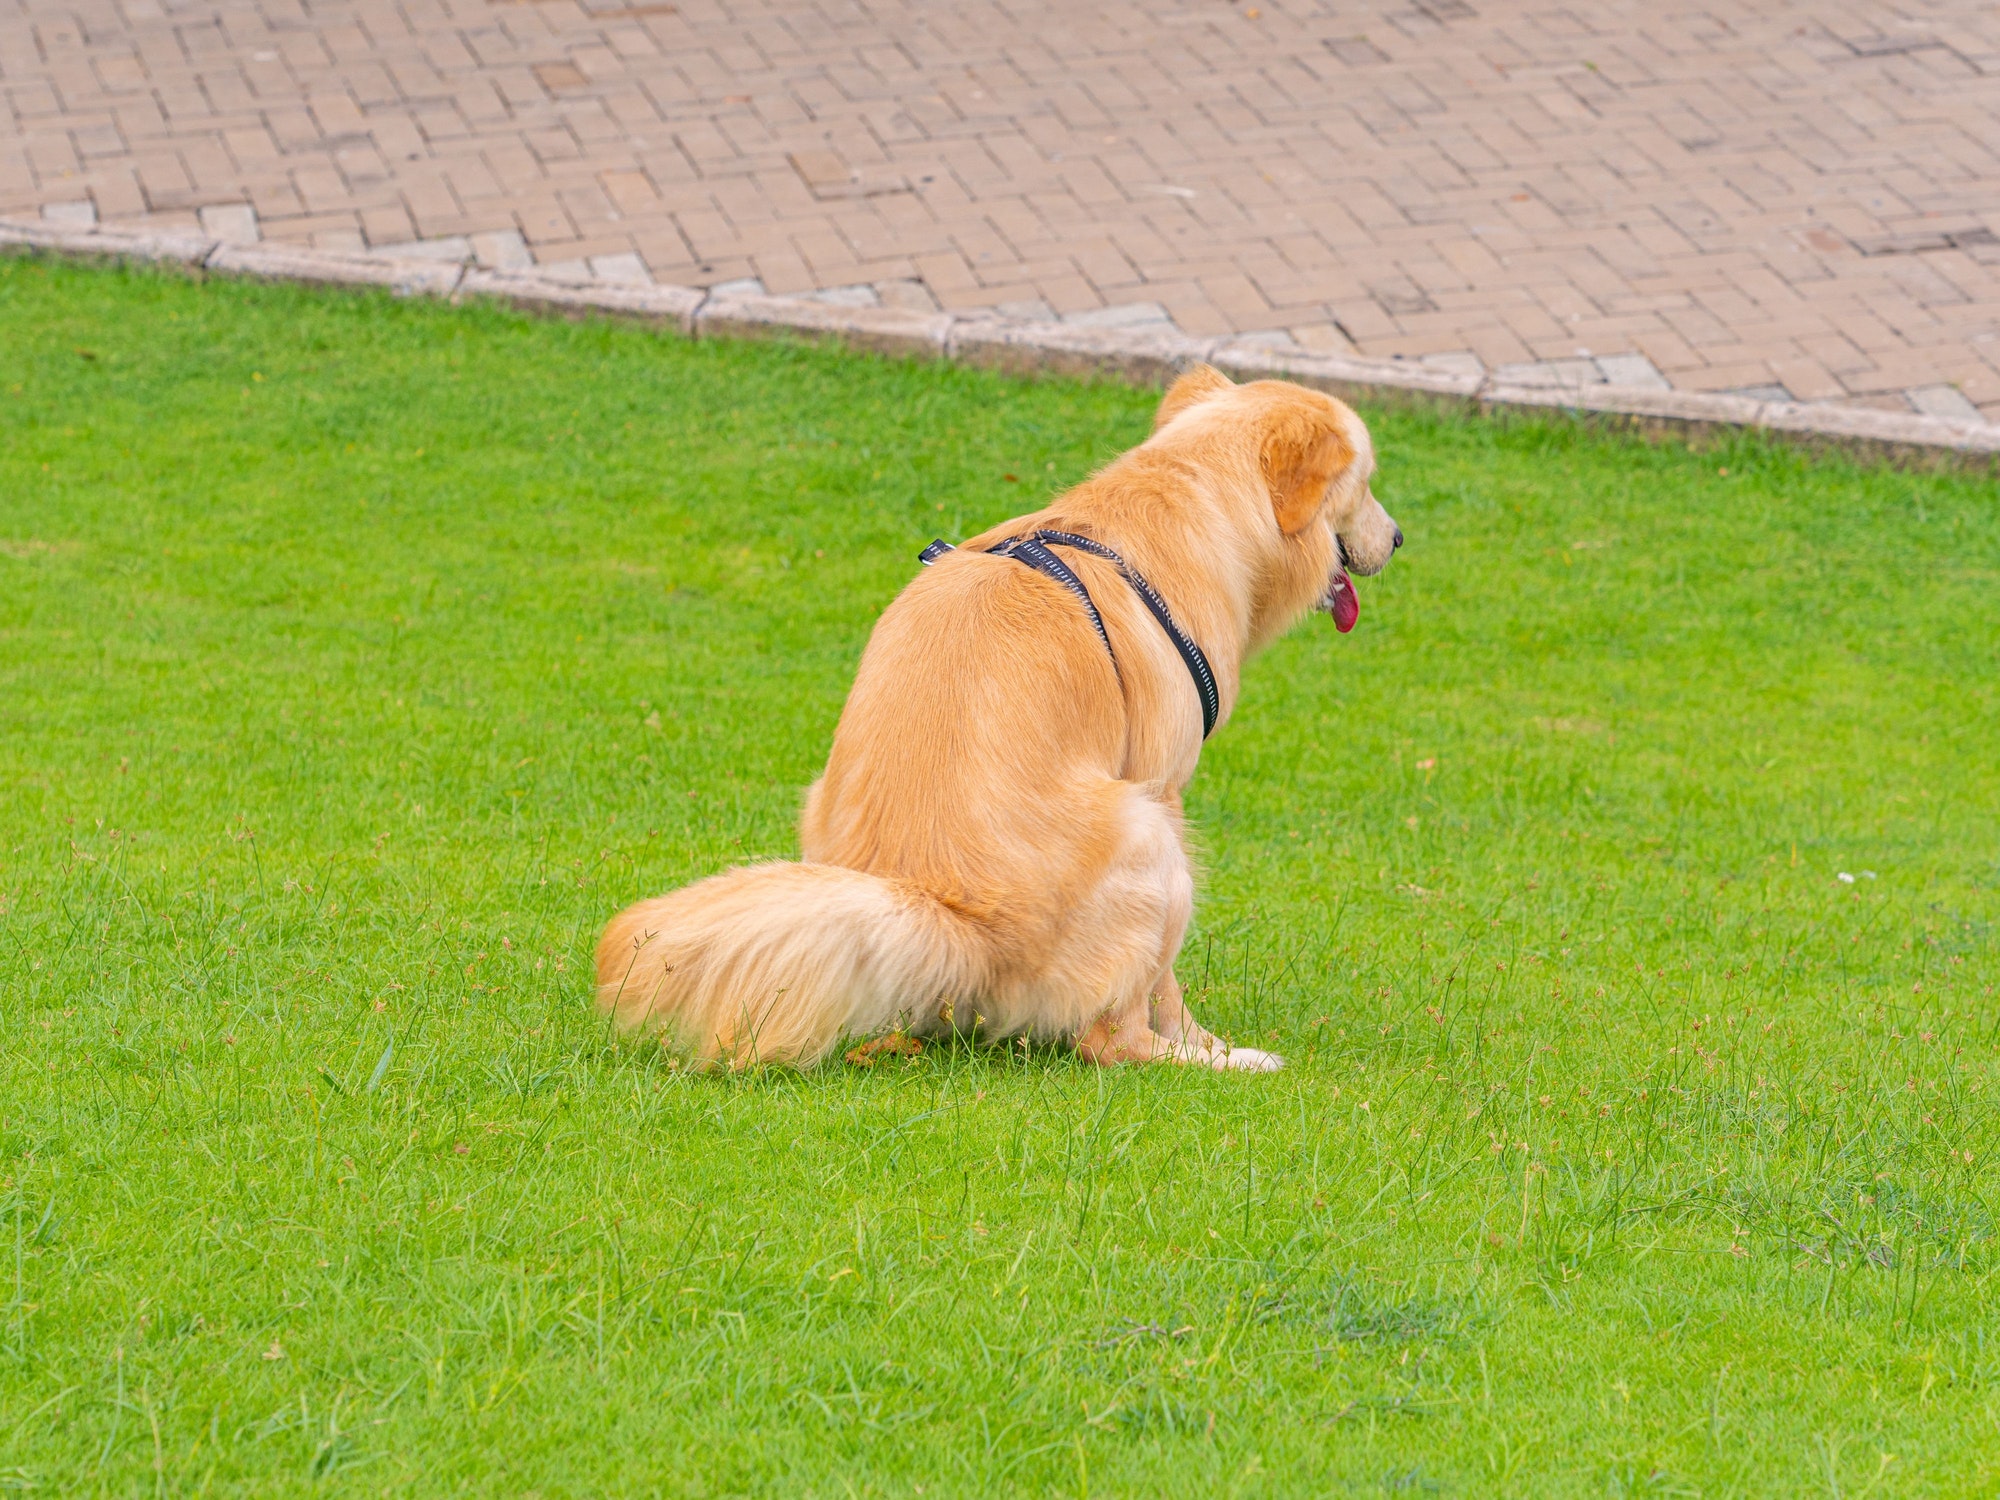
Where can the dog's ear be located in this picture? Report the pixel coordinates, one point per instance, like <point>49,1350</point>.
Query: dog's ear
<point>1198,384</point>
<point>1305,449</point>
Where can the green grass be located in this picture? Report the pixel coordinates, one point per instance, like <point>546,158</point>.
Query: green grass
<point>358,659</point>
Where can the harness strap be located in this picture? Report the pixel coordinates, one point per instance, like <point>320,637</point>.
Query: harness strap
<point>1029,549</point>
<point>1033,549</point>
<point>1192,656</point>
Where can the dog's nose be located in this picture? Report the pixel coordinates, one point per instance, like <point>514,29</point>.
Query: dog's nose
<point>1399,539</point>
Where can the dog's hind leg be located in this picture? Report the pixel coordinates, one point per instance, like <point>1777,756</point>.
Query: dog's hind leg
<point>1123,1035</point>
<point>1095,982</point>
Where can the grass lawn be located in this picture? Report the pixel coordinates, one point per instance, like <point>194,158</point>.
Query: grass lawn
<point>1623,890</point>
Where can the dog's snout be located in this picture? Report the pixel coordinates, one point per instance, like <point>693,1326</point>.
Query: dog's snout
<point>1368,539</point>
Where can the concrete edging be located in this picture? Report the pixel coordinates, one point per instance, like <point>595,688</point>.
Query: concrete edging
<point>674,306</point>
<point>1138,356</point>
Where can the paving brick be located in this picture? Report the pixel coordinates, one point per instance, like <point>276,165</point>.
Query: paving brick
<point>1750,203</point>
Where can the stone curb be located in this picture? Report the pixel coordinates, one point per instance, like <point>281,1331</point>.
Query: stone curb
<point>879,330</point>
<point>190,250</point>
<point>675,305</point>
<point>1141,356</point>
<point>407,278</point>
<point>1346,376</point>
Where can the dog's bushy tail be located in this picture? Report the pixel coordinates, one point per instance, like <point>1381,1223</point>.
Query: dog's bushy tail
<point>778,962</point>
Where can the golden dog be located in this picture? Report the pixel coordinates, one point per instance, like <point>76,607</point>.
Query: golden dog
<point>996,844</point>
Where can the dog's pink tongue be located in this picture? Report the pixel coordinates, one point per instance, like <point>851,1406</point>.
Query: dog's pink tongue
<point>1345,604</point>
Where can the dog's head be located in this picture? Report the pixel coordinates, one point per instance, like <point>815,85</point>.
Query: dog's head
<point>1315,458</point>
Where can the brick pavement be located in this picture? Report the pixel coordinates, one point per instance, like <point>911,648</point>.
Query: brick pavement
<point>1798,200</point>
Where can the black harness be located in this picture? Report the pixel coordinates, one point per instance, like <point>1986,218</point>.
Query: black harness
<point>1033,549</point>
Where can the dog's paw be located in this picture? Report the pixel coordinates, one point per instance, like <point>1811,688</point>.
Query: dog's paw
<point>1245,1060</point>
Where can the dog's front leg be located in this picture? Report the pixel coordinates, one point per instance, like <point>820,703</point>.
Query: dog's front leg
<point>1174,1021</point>
<point>1190,1041</point>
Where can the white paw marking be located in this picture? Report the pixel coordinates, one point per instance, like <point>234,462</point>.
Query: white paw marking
<point>1245,1060</point>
